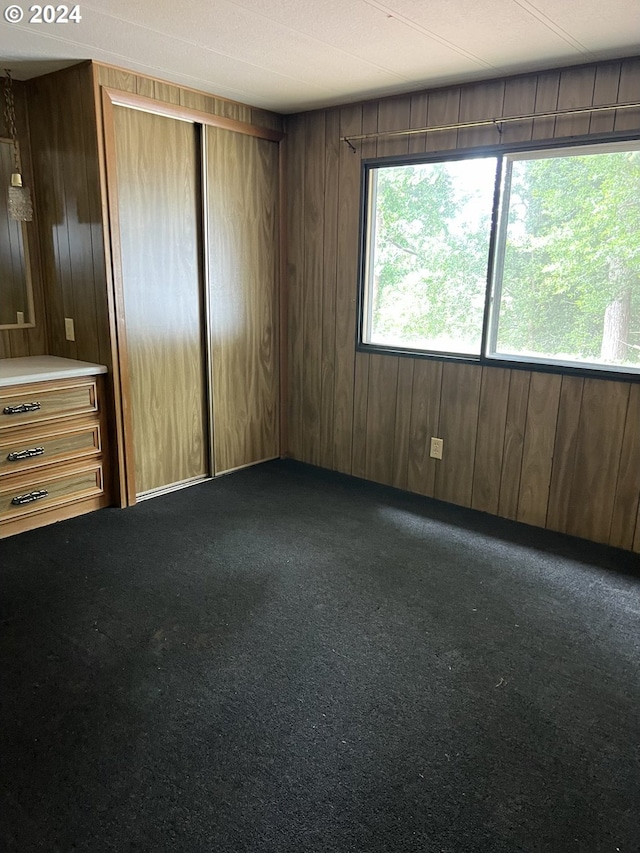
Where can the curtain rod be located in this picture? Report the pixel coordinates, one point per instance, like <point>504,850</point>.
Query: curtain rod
<point>496,122</point>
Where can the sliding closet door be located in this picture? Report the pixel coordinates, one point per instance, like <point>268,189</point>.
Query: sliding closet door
<point>159,211</point>
<point>242,250</point>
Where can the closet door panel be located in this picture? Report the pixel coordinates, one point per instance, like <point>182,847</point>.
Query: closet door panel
<point>159,208</point>
<point>241,211</point>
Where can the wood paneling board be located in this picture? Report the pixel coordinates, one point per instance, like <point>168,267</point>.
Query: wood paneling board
<point>145,86</point>
<point>380,428</point>
<point>575,91</point>
<point>329,273</point>
<point>157,168</point>
<point>347,277</point>
<point>166,92</point>
<point>627,499</point>
<point>458,425</point>
<point>564,452</point>
<point>381,412</point>
<point>546,101</point>
<point>418,118</point>
<point>403,423</point>
<point>605,91</point>
<point>537,453</point>
<point>514,431</point>
<point>443,109</point>
<point>598,450</point>
<point>636,538</point>
<point>393,114</point>
<point>519,99</point>
<point>628,93</point>
<point>242,228</point>
<point>360,410</point>
<point>477,103</point>
<point>314,188</point>
<point>492,418</point>
<point>424,420</point>
<point>296,154</point>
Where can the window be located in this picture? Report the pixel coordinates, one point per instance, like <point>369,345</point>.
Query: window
<point>527,256</point>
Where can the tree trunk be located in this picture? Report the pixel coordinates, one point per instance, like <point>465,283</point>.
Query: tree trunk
<point>616,329</point>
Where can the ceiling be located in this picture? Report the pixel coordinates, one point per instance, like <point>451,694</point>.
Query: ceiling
<point>293,55</point>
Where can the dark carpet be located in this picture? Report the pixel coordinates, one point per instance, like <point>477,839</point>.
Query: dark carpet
<point>287,659</point>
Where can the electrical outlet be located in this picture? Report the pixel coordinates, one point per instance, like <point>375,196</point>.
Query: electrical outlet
<point>437,445</point>
<point>69,331</point>
<point>20,315</point>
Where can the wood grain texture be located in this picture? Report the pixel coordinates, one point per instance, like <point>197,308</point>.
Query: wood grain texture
<point>381,414</point>
<point>15,276</point>
<point>564,455</point>
<point>627,499</point>
<point>314,187</point>
<point>443,109</point>
<point>492,419</point>
<point>419,106</point>
<point>477,102</point>
<point>423,424</point>
<point>514,431</point>
<point>458,425</point>
<point>605,91</point>
<point>548,85</point>
<point>15,343</point>
<point>242,235</point>
<point>296,154</point>
<point>360,411</point>
<point>190,114</point>
<point>68,201</point>
<point>328,285</point>
<point>157,167</point>
<point>575,91</point>
<point>170,93</point>
<point>402,434</point>
<point>519,99</point>
<point>510,433</point>
<point>537,452</point>
<point>602,421</point>
<point>347,277</point>
<point>628,93</point>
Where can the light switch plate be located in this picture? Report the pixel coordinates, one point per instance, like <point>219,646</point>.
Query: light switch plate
<point>69,330</point>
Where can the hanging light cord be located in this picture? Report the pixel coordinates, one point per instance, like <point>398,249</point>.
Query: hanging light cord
<point>10,118</point>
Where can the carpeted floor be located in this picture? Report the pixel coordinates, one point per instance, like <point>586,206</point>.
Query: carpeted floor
<point>290,660</point>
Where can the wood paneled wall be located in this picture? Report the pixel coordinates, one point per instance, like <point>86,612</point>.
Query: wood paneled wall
<point>33,341</point>
<point>140,84</point>
<point>555,451</point>
<point>64,146</point>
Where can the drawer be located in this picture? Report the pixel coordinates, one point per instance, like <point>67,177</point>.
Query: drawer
<point>36,404</point>
<point>53,488</point>
<point>33,447</point>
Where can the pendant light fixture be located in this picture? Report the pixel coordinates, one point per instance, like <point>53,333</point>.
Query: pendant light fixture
<point>18,197</point>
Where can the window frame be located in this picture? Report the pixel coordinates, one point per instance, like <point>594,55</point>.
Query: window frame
<point>500,151</point>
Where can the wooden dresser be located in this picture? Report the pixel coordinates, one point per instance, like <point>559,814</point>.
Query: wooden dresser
<point>52,441</point>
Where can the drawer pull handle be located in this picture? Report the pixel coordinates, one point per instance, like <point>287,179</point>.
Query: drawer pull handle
<point>23,407</point>
<point>30,498</point>
<point>25,454</point>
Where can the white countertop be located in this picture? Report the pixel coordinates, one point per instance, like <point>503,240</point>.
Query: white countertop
<point>40,368</point>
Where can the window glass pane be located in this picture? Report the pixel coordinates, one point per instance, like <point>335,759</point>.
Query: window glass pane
<point>568,287</point>
<point>427,253</point>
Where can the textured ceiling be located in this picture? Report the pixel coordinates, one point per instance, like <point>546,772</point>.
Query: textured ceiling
<point>291,55</point>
